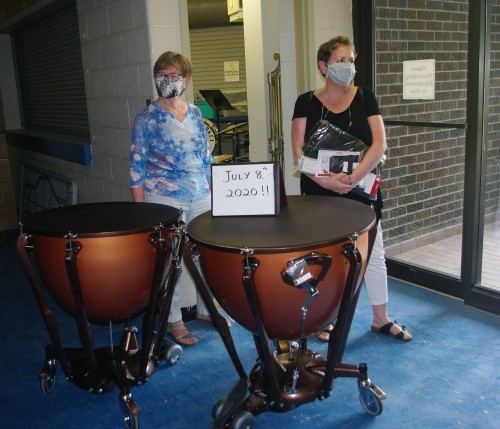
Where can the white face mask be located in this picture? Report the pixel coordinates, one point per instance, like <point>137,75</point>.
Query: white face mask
<point>341,73</point>
<point>167,88</point>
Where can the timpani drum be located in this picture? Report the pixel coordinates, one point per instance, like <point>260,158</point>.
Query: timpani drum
<point>283,278</point>
<point>212,132</point>
<point>115,257</point>
<point>111,262</point>
<point>308,226</point>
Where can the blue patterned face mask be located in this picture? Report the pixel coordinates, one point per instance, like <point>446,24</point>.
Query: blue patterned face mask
<point>168,88</point>
<point>341,73</point>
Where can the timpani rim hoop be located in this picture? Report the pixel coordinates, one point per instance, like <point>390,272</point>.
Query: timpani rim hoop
<point>101,219</point>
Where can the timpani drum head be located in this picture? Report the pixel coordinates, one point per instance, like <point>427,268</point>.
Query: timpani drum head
<point>100,218</point>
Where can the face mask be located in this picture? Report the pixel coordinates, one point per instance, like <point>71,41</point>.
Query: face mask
<point>341,73</point>
<point>168,89</point>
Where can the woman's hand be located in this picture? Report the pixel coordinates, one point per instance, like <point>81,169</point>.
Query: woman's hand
<point>336,182</point>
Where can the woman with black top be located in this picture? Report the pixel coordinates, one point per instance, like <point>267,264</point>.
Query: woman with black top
<point>356,111</point>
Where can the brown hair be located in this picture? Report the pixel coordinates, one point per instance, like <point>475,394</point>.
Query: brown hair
<point>170,58</point>
<point>325,50</point>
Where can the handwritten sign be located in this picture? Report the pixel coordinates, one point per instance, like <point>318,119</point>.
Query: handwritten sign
<point>418,80</point>
<point>245,189</point>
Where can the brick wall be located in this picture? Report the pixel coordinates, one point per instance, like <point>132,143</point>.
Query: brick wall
<point>423,177</point>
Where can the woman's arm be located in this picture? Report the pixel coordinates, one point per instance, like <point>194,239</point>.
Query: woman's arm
<point>298,133</point>
<point>376,151</point>
<point>138,194</point>
<point>139,153</point>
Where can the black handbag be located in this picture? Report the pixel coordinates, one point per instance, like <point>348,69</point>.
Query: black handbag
<point>326,136</point>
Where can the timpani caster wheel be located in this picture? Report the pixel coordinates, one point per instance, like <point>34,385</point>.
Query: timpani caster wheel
<point>173,352</point>
<point>230,410</point>
<point>47,376</point>
<point>217,408</point>
<point>370,397</point>
<point>243,420</point>
<point>130,412</point>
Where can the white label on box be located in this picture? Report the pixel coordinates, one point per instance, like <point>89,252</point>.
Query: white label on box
<point>370,184</point>
<point>307,165</point>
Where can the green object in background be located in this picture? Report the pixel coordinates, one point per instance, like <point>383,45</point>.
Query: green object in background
<point>206,110</point>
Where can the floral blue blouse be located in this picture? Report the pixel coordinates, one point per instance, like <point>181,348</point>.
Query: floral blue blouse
<point>170,158</point>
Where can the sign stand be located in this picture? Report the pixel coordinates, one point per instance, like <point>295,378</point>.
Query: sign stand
<point>217,101</point>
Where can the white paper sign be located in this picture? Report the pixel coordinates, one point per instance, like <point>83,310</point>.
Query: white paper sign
<point>419,80</point>
<point>231,71</point>
<point>244,189</point>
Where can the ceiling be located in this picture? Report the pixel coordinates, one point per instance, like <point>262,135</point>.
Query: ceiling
<point>208,13</point>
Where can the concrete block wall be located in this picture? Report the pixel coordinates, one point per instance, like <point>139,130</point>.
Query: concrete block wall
<point>117,66</point>
<point>120,41</point>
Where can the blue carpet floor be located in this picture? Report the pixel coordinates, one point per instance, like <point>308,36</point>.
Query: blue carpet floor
<point>445,378</point>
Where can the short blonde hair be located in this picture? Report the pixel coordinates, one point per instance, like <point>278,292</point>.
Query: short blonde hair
<point>175,59</point>
<point>325,50</point>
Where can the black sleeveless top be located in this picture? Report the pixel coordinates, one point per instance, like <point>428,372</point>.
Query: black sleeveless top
<point>353,120</point>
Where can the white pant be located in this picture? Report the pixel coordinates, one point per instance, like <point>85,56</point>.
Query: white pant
<point>190,210</point>
<point>376,272</point>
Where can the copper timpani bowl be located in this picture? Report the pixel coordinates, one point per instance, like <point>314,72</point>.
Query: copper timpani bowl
<point>115,259</point>
<point>320,224</point>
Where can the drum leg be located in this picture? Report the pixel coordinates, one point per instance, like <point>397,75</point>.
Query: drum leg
<point>47,314</point>
<point>192,261</point>
<point>159,306</point>
<point>264,344</point>
<point>338,339</point>
<point>161,347</point>
<point>84,327</point>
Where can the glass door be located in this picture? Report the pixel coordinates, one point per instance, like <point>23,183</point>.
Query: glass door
<point>480,266</point>
<point>436,83</point>
<point>421,84</point>
<point>489,280</point>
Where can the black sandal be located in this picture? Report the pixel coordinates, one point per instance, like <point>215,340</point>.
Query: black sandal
<point>386,330</point>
